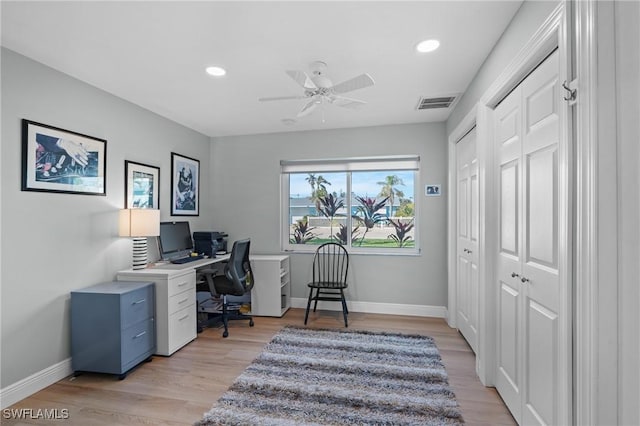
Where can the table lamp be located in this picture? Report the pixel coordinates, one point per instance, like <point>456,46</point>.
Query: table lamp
<point>139,224</point>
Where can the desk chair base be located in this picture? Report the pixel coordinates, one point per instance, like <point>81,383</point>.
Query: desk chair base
<point>327,295</point>
<point>232,316</point>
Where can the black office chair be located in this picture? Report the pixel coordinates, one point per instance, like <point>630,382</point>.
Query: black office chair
<point>330,267</point>
<point>237,280</point>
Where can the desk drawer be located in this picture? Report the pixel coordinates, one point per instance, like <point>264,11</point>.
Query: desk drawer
<point>137,305</point>
<point>137,340</point>
<point>182,327</point>
<point>182,283</point>
<point>182,300</point>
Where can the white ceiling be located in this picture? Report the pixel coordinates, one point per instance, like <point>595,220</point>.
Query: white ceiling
<point>154,55</point>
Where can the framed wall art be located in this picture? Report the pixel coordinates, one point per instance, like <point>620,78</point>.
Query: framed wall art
<point>141,186</point>
<point>185,185</point>
<point>432,190</point>
<point>58,160</point>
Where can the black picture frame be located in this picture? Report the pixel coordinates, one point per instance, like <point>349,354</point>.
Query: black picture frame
<point>60,160</point>
<point>185,185</point>
<point>141,186</point>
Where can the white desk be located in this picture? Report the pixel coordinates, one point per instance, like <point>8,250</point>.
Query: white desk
<point>176,313</point>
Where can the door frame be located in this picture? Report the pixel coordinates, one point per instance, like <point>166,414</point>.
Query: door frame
<point>552,34</point>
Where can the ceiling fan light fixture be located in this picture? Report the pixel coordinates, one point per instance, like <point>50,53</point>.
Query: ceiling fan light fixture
<point>427,46</point>
<point>216,71</point>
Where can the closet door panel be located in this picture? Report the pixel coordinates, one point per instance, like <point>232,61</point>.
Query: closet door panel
<point>463,290</point>
<point>473,297</point>
<point>467,238</point>
<point>509,353</point>
<point>540,266</point>
<point>508,151</point>
<point>509,200</point>
<point>542,368</point>
<point>475,204</point>
<point>542,207</point>
<point>463,206</point>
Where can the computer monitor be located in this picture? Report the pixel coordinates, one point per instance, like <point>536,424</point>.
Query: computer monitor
<point>175,240</point>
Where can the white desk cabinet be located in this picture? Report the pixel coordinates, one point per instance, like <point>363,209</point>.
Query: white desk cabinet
<point>271,293</point>
<point>175,305</point>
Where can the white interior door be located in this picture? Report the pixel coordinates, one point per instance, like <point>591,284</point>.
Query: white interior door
<point>531,344</point>
<point>467,238</point>
<point>508,118</point>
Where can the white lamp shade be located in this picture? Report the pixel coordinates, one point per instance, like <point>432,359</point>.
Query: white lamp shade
<point>139,223</point>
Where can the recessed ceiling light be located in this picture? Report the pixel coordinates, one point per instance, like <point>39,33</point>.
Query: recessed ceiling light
<point>216,71</point>
<point>427,46</point>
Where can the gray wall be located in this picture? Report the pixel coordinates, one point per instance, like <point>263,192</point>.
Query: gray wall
<point>246,181</point>
<point>524,24</point>
<point>55,243</point>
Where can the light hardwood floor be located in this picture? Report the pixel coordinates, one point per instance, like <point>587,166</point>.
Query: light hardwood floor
<point>177,390</point>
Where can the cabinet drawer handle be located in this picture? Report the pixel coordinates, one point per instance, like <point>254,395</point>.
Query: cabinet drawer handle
<point>183,284</point>
<point>184,317</point>
<point>183,300</point>
<point>139,302</point>
<point>514,275</point>
<point>140,335</point>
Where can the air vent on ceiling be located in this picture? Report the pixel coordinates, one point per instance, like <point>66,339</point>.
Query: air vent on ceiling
<point>436,102</point>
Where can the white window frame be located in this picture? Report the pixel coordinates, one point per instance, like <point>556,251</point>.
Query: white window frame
<point>348,165</point>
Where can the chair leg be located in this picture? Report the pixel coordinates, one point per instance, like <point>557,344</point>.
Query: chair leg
<point>306,314</point>
<point>225,316</point>
<point>345,311</point>
<point>315,305</point>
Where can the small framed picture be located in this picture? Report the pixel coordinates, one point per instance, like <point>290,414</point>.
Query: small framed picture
<point>432,190</point>
<point>185,185</point>
<point>141,186</point>
<point>58,160</point>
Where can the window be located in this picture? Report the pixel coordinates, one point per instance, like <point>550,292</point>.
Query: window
<point>366,204</point>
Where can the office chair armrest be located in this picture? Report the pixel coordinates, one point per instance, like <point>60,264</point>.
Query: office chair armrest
<point>209,275</point>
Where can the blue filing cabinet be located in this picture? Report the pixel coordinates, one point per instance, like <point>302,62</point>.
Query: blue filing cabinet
<point>112,327</point>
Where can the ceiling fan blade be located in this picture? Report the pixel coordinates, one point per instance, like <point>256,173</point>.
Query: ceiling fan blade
<point>345,102</point>
<point>355,83</point>
<point>302,79</point>
<point>308,108</point>
<point>281,98</point>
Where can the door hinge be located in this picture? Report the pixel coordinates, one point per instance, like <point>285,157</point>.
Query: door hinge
<point>572,91</point>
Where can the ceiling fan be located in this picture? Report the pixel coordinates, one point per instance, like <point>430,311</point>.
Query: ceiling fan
<point>318,89</point>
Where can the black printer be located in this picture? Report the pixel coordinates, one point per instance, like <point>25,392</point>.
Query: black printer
<point>210,243</point>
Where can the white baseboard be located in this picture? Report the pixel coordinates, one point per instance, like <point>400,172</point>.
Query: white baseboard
<point>34,383</point>
<point>377,308</point>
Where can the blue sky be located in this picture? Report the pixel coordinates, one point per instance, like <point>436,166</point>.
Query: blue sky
<point>363,183</point>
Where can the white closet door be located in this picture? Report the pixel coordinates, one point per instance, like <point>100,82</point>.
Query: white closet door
<point>541,134</point>
<point>508,149</point>
<point>530,298</point>
<point>467,240</point>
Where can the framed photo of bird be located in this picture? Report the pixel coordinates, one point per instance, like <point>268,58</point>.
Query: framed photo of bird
<point>185,186</point>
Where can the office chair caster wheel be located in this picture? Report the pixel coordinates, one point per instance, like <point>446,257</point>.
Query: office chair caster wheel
<point>251,322</point>
<point>225,334</point>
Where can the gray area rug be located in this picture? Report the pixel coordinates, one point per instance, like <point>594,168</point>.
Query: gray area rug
<point>328,377</point>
